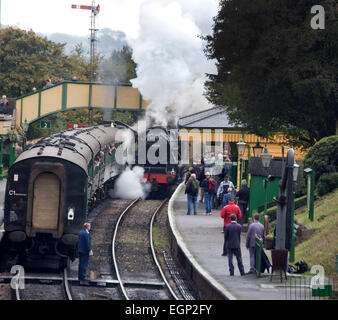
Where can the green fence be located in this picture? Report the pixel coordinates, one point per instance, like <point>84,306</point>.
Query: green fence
<point>257,192</point>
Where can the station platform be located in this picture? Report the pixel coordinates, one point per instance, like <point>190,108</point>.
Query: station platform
<point>202,236</point>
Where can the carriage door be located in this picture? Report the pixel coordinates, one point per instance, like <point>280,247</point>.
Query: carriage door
<point>46,202</point>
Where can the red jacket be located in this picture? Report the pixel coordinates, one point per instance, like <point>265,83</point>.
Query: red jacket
<point>228,210</point>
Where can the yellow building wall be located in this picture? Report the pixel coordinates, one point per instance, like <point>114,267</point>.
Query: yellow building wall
<point>274,145</point>
<point>5,127</point>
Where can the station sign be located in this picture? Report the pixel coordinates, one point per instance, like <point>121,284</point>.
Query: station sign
<point>45,124</point>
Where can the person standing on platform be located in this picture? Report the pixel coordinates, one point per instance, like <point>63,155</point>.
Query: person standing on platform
<point>209,185</point>
<point>227,197</point>
<point>243,200</point>
<point>191,190</point>
<point>223,188</point>
<point>256,229</point>
<point>84,249</point>
<point>4,105</point>
<point>226,213</point>
<point>190,171</point>
<point>232,233</point>
<point>201,178</point>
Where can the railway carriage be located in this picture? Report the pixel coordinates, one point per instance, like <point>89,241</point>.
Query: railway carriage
<point>50,187</point>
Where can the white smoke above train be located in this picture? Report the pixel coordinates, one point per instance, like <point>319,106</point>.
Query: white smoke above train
<point>171,64</point>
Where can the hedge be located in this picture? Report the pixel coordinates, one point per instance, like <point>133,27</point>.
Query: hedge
<point>299,202</point>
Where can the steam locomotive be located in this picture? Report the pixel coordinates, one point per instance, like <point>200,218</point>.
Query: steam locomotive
<point>161,159</point>
<point>50,188</point>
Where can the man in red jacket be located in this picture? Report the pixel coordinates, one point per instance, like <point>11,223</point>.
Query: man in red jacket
<point>226,213</point>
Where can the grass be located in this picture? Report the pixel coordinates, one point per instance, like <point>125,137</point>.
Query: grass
<point>322,247</point>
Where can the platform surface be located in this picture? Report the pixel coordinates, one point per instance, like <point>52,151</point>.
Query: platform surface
<point>203,237</point>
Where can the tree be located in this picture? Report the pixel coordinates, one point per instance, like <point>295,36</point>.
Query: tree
<point>27,60</point>
<point>323,156</point>
<point>120,66</point>
<point>276,73</point>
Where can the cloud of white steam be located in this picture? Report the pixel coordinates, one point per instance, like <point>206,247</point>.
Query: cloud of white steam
<point>171,64</point>
<point>131,185</point>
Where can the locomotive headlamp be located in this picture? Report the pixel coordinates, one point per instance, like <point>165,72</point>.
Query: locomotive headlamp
<point>71,214</point>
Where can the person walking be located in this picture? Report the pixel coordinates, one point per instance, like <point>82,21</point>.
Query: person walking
<point>256,229</point>
<point>227,197</point>
<point>226,213</point>
<point>191,190</point>
<point>227,162</point>
<point>190,171</point>
<point>84,249</point>
<point>223,188</point>
<point>232,233</point>
<point>209,186</point>
<point>243,200</point>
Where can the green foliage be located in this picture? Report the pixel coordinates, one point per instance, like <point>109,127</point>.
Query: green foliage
<point>120,67</point>
<point>272,212</point>
<point>275,73</point>
<point>327,183</point>
<point>61,120</point>
<point>323,156</point>
<point>27,60</point>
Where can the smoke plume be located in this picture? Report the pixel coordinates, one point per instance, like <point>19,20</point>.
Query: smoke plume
<point>171,64</point>
<point>131,185</point>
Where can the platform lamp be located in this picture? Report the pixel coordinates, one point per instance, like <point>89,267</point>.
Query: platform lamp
<point>266,160</point>
<point>241,145</point>
<point>293,234</point>
<point>257,149</point>
<point>25,127</point>
<point>1,157</point>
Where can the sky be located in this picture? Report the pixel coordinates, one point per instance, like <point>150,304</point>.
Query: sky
<point>51,16</point>
<point>164,35</point>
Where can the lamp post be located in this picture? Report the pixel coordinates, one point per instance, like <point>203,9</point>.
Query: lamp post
<point>1,158</point>
<point>241,145</point>
<point>266,159</point>
<point>257,149</point>
<point>293,235</point>
<point>25,127</point>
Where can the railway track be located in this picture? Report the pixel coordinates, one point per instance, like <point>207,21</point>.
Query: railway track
<point>42,287</point>
<point>125,264</point>
<point>134,254</point>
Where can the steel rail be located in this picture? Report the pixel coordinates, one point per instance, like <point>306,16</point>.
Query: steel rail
<point>113,249</point>
<point>154,253</point>
<point>66,285</point>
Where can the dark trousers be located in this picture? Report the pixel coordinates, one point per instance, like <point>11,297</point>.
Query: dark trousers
<point>243,205</point>
<point>225,250</point>
<point>238,254</point>
<point>83,265</point>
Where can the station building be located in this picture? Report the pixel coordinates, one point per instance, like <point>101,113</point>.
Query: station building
<point>212,127</point>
